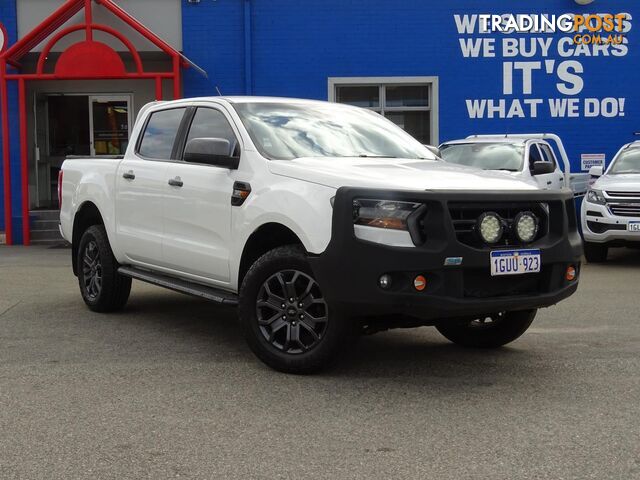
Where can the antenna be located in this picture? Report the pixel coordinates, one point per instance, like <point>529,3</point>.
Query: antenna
<point>219,92</point>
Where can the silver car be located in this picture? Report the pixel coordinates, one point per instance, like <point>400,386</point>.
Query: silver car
<point>611,210</point>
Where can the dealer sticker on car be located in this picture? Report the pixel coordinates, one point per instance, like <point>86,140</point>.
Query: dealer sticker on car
<point>515,262</point>
<point>634,227</point>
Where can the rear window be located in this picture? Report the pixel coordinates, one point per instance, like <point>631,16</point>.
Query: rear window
<point>160,134</point>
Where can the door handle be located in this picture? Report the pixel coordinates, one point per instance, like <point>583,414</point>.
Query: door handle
<point>129,175</point>
<point>549,182</point>
<point>176,182</point>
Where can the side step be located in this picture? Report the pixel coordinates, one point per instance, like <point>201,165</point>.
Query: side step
<point>182,286</point>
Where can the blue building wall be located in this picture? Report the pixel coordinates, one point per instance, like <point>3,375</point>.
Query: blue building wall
<point>296,46</point>
<point>291,48</point>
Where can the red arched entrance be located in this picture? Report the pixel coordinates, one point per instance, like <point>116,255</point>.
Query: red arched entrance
<point>85,60</point>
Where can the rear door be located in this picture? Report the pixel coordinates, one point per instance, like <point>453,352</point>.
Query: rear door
<point>140,186</point>
<point>197,207</point>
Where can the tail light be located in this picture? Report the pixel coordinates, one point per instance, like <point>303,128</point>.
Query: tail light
<point>60,175</point>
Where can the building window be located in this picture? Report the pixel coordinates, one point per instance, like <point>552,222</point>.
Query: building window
<point>409,102</point>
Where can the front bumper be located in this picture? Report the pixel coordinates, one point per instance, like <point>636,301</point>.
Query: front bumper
<point>349,269</point>
<point>599,225</point>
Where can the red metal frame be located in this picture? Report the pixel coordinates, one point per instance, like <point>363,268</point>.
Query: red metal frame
<point>5,35</point>
<point>113,70</point>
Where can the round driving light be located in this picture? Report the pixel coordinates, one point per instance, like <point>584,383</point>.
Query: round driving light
<point>571,273</point>
<point>526,225</point>
<point>385,281</point>
<point>490,227</point>
<point>420,283</point>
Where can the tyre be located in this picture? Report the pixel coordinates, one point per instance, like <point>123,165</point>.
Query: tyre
<point>595,252</point>
<point>490,331</point>
<point>103,288</point>
<point>285,317</point>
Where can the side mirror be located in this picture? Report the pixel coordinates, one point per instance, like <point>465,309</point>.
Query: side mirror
<point>542,168</point>
<point>211,151</point>
<point>596,171</point>
<point>434,150</point>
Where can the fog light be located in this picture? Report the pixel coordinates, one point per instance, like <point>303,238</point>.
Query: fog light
<point>420,283</point>
<point>490,227</point>
<point>526,224</point>
<point>385,281</point>
<point>571,274</point>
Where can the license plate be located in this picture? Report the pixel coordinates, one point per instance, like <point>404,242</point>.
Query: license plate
<point>633,227</point>
<point>515,262</point>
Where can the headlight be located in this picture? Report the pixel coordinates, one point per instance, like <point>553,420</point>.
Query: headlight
<point>595,196</point>
<point>526,226</point>
<point>383,213</point>
<point>491,227</point>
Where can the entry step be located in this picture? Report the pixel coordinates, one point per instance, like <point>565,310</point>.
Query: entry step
<point>182,286</point>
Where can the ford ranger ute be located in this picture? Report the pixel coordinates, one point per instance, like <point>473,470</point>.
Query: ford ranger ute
<point>319,221</point>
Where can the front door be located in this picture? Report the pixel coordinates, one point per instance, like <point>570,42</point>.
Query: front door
<point>545,181</point>
<point>557,177</point>
<point>197,207</point>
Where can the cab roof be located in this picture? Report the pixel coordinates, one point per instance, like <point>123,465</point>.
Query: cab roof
<point>505,140</point>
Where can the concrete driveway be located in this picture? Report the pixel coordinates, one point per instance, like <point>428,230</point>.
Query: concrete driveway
<point>167,389</point>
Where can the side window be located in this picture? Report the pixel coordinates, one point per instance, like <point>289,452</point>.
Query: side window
<point>534,155</point>
<point>160,134</point>
<point>547,154</point>
<point>211,123</point>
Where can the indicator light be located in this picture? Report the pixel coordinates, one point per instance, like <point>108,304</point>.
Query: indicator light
<point>420,283</point>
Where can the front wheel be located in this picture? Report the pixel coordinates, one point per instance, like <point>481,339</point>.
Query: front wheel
<point>287,321</point>
<point>489,331</point>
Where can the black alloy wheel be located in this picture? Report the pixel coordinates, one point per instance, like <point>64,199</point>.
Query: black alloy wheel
<point>291,311</point>
<point>288,322</point>
<point>92,270</point>
<point>103,289</point>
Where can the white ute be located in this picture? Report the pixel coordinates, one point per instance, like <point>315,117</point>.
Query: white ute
<point>530,157</point>
<point>318,221</point>
<point>611,210</point>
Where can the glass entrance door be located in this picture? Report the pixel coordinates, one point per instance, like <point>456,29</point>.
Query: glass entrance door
<point>110,124</point>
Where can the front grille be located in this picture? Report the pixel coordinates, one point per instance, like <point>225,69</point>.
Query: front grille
<point>465,216</point>
<point>597,227</point>
<point>625,209</point>
<point>622,194</point>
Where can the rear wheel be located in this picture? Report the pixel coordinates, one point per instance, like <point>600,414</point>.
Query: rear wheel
<point>103,288</point>
<point>595,252</point>
<point>287,321</point>
<point>490,331</point>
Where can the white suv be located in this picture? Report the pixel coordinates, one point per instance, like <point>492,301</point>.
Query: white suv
<point>611,210</point>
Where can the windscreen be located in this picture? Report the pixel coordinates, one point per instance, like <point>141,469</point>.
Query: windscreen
<point>285,131</point>
<point>488,156</point>
<point>627,162</point>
